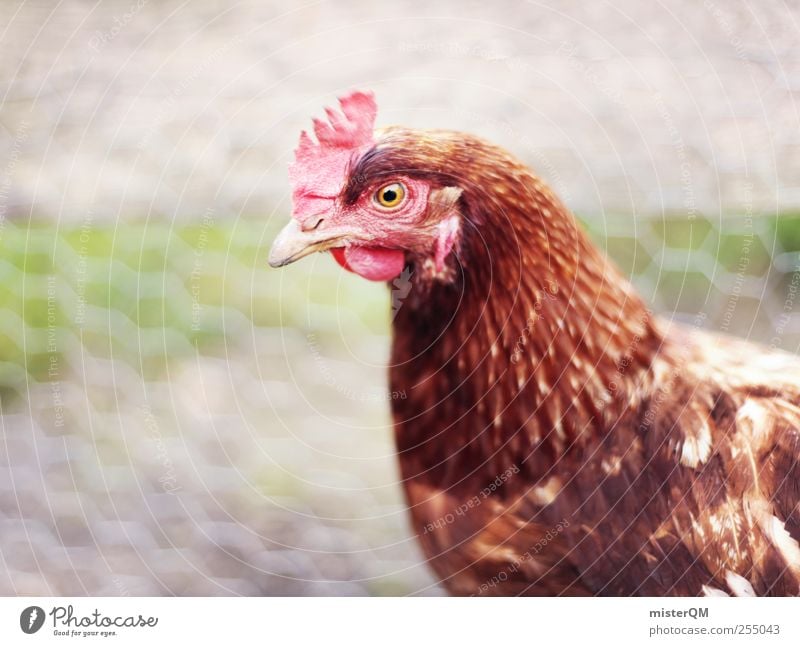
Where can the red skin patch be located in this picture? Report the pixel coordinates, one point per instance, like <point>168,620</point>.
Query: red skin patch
<point>320,170</point>
<point>372,263</point>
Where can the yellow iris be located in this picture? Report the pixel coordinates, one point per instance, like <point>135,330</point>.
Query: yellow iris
<point>391,195</point>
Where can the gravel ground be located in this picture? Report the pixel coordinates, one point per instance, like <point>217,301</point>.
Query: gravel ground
<point>178,419</point>
<point>169,108</point>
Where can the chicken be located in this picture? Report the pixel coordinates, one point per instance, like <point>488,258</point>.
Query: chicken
<point>556,437</point>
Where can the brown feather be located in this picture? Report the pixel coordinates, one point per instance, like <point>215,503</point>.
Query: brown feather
<point>646,458</point>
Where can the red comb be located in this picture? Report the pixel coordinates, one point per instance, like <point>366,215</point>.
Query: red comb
<point>319,169</point>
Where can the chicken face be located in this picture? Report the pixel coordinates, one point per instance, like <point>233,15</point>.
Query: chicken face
<point>375,222</point>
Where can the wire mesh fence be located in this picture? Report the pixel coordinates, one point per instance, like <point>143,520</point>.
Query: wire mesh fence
<point>178,418</point>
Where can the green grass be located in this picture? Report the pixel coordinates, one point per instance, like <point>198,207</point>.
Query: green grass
<point>144,292</point>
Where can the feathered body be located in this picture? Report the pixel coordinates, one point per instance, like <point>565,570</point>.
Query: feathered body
<point>557,438</point>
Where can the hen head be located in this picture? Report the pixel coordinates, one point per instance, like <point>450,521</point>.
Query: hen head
<point>377,204</point>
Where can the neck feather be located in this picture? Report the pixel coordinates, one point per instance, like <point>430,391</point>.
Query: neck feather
<point>535,346</point>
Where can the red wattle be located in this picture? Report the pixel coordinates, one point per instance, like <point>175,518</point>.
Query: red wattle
<point>338,256</point>
<point>372,263</point>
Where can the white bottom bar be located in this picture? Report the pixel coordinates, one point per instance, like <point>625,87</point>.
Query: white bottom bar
<point>399,621</point>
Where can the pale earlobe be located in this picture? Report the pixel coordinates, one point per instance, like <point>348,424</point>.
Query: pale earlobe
<point>445,239</point>
<point>442,206</point>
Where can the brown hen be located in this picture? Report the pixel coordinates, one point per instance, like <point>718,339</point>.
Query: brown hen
<point>556,438</point>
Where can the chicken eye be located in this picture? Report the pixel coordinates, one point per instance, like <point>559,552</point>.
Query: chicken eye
<point>391,195</point>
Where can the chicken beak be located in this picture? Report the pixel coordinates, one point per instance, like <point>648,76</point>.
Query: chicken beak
<point>292,243</point>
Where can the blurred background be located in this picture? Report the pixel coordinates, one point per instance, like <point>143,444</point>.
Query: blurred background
<point>177,418</point>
